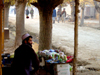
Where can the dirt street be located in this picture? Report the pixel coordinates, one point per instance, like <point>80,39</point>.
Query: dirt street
<point>63,38</point>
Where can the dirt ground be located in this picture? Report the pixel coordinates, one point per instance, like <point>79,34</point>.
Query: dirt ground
<point>86,68</point>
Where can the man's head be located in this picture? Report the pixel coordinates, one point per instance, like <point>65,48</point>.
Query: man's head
<point>27,39</point>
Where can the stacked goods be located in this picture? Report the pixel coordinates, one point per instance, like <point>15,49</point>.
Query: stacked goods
<point>7,59</point>
<point>55,56</point>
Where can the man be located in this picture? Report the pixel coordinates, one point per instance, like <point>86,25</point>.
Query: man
<point>32,12</point>
<point>27,13</point>
<point>54,15</point>
<point>58,15</point>
<point>25,58</point>
<point>63,15</point>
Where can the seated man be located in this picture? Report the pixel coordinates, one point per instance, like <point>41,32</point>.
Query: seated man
<point>25,58</point>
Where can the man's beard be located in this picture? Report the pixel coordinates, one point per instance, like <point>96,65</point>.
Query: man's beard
<point>29,44</point>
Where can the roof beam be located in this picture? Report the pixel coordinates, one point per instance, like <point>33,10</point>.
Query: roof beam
<point>97,0</point>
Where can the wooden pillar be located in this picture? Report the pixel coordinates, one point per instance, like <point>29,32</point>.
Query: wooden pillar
<point>75,37</point>
<point>2,30</point>
<point>1,34</point>
<point>0,39</point>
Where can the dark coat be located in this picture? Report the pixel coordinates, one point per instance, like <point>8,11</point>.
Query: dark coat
<point>27,12</point>
<point>22,57</point>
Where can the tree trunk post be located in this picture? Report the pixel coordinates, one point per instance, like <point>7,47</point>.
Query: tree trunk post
<point>82,19</point>
<point>45,8</point>
<point>75,37</point>
<point>6,13</point>
<point>20,29</point>
<point>45,34</point>
<point>72,11</point>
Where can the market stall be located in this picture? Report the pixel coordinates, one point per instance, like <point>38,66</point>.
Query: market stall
<point>75,43</point>
<point>55,62</point>
<point>52,61</point>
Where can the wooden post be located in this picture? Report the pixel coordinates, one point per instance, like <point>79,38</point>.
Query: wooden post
<point>75,36</point>
<point>2,30</point>
<point>0,40</point>
<point>1,34</point>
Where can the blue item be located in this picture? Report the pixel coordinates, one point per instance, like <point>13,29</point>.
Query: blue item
<point>54,13</point>
<point>51,50</point>
<point>55,62</point>
<point>58,61</point>
<point>56,58</point>
<point>49,60</point>
<point>3,61</point>
<point>8,55</point>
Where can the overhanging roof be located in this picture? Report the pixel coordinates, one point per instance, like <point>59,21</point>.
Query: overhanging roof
<point>97,0</point>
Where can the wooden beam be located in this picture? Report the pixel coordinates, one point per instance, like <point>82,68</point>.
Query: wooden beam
<point>75,37</point>
<point>97,0</point>
<point>1,34</point>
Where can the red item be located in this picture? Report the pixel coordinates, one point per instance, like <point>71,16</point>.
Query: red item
<point>70,60</point>
<point>68,57</point>
<point>27,17</point>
